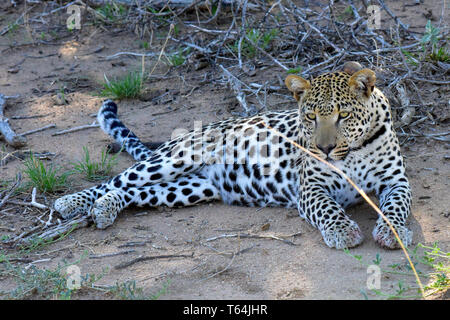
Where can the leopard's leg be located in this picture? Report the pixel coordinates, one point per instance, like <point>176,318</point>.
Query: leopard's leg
<point>323,212</point>
<point>160,167</point>
<point>186,191</point>
<point>395,203</point>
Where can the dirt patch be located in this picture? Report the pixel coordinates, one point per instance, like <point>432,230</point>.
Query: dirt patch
<point>203,251</point>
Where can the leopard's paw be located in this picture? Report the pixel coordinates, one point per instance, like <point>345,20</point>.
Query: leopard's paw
<point>344,235</point>
<point>71,205</point>
<point>105,209</point>
<point>384,236</point>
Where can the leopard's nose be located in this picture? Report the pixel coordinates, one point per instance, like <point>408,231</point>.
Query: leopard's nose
<point>326,149</point>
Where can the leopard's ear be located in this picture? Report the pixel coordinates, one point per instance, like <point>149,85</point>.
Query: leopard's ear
<point>362,83</point>
<point>297,85</point>
<point>350,67</point>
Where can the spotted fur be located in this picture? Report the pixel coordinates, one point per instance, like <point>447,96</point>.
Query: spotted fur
<point>341,117</point>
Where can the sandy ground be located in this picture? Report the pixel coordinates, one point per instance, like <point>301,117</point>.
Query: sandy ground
<point>304,268</point>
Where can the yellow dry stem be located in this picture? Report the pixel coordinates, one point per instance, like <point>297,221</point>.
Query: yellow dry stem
<point>363,194</point>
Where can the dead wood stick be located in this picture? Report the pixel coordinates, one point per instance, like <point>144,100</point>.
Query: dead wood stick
<point>256,236</point>
<point>87,126</point>
<point>420,134</point>
<point>13,139</point>
<point>7,229</point>
<point>36,261</point>
<point>221,271</point>
<point>25,233</point>
<point>336,48</point>
<point>236,86</point>
<point>31,117</point>
<point>56,231</point>
<point>38,130</point>
<point>431,81</point>
<point>49,220</point>
<point>11,190</point>
<point>393,16</point>
<point>32,203</point>
<point>266,53</point>
<point>145,258</point>
<point>135,54</point>
<point>337,55</point>
<point>22,154</point>
<point>134,244</point>
<point>111,254</point>
<point>230,253</point>
<point>162,4</point>
<point>17,22</point>
<point>24,260</point>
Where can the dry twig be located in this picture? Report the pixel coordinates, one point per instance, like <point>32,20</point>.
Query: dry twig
<point>256,236</point>
<point>146,258</point>
<point>50,126</point>
<point>5,195</point>
<point>32,203</point>
<point>84,127</point>
<point>13,139</point>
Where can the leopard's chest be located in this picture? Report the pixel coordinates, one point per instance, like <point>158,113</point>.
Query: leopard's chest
<point>355,167</point>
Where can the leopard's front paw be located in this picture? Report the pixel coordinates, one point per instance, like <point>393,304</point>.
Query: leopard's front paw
<point>105,209</point>
<point>71,205</point>
<point>345,235</point>
<point>384,236</point>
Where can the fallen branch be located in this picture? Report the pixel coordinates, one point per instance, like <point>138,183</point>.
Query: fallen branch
<point>36,261</point>
<point>57,231</point>
<point>107,255</point>
<point>221,271</point>
<point>431,81</point>
<point>88,126</point>
<point>49,220</point>
<point>22,154</point>
<point>256,236</point>
<point>396,19</point>
<point>10,191</point>
<point>236,86</point>
<point>266,53</point>
<point>145,258</point>
<point>32,203</point>
<point>230,253</point>
<point>13,139</point>
<point>134,244</point>
<point>331,44</point>
<point>134,54</point>
<point>31,117</point>
<point>38,130</point>
<point>161,4</point>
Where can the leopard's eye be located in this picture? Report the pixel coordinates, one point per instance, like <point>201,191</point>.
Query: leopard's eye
<point>311,116</point>
<point>344,115</point>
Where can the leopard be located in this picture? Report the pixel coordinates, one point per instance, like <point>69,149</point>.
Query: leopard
<point>341,117</point>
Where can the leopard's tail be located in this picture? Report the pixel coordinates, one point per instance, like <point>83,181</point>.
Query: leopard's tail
<point>110,123</point>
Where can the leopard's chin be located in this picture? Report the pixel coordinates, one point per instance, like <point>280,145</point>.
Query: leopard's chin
<point>331,158</point>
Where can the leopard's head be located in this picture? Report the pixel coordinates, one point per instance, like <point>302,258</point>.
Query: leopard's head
<point>335,109</point>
